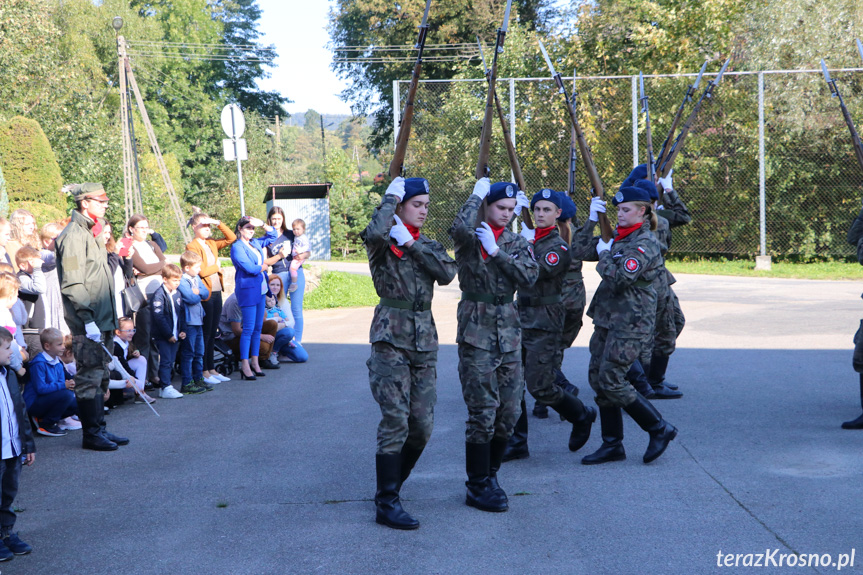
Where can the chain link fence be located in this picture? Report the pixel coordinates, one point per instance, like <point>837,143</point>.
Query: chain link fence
<point>812,183</point>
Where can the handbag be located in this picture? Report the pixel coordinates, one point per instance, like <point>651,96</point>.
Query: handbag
<point>133,299</point>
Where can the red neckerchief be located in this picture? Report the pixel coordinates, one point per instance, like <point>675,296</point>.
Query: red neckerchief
<point>97,228</point>
<point>497,232</point>
<point>542,232</point>
<point>415,234</point>
<point>623,232</point>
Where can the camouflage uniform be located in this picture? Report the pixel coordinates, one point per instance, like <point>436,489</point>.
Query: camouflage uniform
<point>489,336</point>
<point>542,314</point>
<point>574,297</point>
<point>623,311</point>
<point>673,215</point>
<point>402,366</point>
<point>855,238</point>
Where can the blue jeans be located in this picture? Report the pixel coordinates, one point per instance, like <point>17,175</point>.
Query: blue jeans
<point>253,321</point>
<point>49,408</point>
<point>167,357</point>
<point>296,300</point>
<point>10,471</point>
<point>192,357</point>
<point>281,346</point>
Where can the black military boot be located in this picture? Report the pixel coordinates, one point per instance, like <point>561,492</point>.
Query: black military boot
<point>648,418</point>
<point>563,383</point>
<point>388,507</point>
<point>611,422</point>
<point>856,423</point>
<point>480,493</point>
<point>107,434</point>
<point>516,446</point>
<point>656,372</point>
<point>90,412</point>
<point>638,379</point>
<point>498,446</point>
<point>410,456</point>
<point>580,416</point>
<point>540,410</point>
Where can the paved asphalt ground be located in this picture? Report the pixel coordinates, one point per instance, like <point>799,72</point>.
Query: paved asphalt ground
<point>277,476</point>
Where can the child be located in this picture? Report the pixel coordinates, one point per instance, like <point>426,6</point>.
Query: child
<point>48,395</point>
<point>193,291</point>
<point>8,299</point>
<point>31,294</point>
<point>300,250</point>
<point>129,357</point>
<point>52,301</point>
<point>168,321</point>
<point>16,444</point>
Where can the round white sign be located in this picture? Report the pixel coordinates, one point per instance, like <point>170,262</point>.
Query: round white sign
<point>233,127</point>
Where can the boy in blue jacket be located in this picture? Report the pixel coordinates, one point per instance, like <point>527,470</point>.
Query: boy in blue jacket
<point>193,292</point>
<point>168,326</point>
<point>49,395</point>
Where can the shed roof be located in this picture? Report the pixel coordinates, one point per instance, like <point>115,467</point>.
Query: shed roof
<point>297,191</point>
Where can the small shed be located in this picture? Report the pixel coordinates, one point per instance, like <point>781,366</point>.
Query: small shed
<point>309,202</point>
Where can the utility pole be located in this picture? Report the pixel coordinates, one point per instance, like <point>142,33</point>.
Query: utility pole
<point>323,144</point>
<point>359,170</point>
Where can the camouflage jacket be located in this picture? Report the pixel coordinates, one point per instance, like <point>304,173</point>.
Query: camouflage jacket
<point>486,325</point>
<point>626,298</point>
<point>553,257</point>
<point>662,233</point>
<point>675,212</point>
<point>573,284</point>
<point>409,278</point>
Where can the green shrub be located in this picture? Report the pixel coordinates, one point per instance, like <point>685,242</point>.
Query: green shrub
<point>43,212</point>
<point>29,166</point>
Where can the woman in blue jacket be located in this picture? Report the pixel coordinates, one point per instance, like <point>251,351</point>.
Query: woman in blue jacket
<point>251,287</point>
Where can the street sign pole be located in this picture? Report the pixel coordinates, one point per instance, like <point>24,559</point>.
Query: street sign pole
<point>234,124</point>
<point>239,163</point>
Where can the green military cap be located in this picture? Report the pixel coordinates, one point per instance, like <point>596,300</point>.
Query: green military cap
<point>89,191</point>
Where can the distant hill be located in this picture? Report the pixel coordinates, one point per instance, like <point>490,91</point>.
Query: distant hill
<point>334,119</point>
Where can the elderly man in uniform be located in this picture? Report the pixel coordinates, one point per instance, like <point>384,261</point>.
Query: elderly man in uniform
<point>87,288</point>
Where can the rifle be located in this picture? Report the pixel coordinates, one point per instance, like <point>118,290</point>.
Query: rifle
<point>482,170</point>
<point>651,167</point>
<point>690,90</point>
<point>668,161</point>
<point>510,148</point>
<point>834,92</point>
<point>596,184</point>
<point>572,143</point>
<point>397,163</point>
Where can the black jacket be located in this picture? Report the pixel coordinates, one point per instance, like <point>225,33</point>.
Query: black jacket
<point>25,432</point>
<point>162,314</point>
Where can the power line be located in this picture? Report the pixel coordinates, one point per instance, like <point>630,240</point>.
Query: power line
<point>200,57</point>
<point>152,43</point>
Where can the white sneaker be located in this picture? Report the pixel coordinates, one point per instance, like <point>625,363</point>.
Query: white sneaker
<point>221,377</point>
<point>170,393</point>
<point>212,380</point>
<point>69,424</point>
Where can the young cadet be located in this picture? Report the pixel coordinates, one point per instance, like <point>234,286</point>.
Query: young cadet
<point>492,263</point>
<point>541,311</point>
<point>402,368</point>
<point>855,238</point>
<point>623,311</point>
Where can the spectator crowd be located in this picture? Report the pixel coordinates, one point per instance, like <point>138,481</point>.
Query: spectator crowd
<point>92,318</point>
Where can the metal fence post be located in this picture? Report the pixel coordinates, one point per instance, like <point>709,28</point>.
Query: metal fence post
<point>512,136</point>
<point>762,261</point>
<point>396,118</point>
<point>634,121</point>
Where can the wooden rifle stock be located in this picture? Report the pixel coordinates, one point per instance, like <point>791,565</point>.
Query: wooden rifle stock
<point>834,91</point>
<point>397,163</point>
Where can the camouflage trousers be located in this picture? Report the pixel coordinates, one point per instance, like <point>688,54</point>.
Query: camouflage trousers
<point>92,361</point>
<point>574,300</point>
<point>857,360</point>
<point>669,324</point>
<point>492,386</point>
<point>403,382</point>
<point>542,354</point>
<point>611,355</point>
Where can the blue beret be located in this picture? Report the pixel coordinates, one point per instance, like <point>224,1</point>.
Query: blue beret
<point>649,187</point>
<point>415,187</point>
<point>639,172</point>
<point>501,191</point>
<point>630,194</point>
<point>547,195</point>
<point>567,207</point>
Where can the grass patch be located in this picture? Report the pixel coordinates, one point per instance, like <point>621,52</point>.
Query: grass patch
<point>342,289</point>
<point>811,271</point>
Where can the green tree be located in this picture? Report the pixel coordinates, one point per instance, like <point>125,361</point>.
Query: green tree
<point>350,205</point>
<point>30,169</point>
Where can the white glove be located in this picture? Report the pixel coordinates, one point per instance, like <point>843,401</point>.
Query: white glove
<point>666,182</point>
<point>93,332</point>
<point>486,237</point>
<point>521,201</point>
<point>527,233</point>
<point>597,206</point>
<point>399,231</point>
<point>397,188</point>
<point>602,246</point>
<point>482,187</point>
